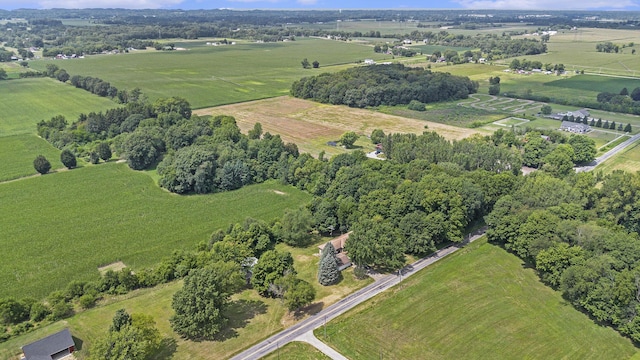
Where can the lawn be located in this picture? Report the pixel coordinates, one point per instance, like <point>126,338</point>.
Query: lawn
<point>482,302</point>
<point>252,318</point>
<point>17,153</point>
<point>215,75</point>
<point>27,101</point>
<point>60,227</point>
<point>311,125</point>
<point>297,350</point>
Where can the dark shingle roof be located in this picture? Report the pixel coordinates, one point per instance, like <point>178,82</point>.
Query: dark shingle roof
<point>44,348</point>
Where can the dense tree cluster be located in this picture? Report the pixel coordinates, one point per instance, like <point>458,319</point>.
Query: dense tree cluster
<point>607,47</point>
<point>133,337</point>
<point>383,85</point>
<point>583,240</point>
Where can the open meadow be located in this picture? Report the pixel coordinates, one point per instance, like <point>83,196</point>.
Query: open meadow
<point>482,302</point>
<point>61,227</point>
<point>627,160</point>
<point>27,101</point>
<point>311,125</point>
<point>213,75</point>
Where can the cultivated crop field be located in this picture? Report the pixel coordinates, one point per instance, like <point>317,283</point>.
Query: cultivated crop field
<point>61,227</point>
<point>482,302</point>
<point>310,125</point>
<point>18,151</point>
<point>215,75</point>
<point>576,49</point>
<point>27,101</point>
<point>449,113</point>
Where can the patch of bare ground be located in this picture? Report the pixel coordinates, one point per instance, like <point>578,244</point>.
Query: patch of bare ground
<point>279,192</point>
<point>116,266</point>
<point>306,123</point>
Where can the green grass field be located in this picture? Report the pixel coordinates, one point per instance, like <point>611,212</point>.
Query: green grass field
<point>27,101</point>
<point>481,303</point>
<point>61,227</point>
<point>627,160</point>
<point>215,75</point>
<point>17,153</point>
<point>297,350</point>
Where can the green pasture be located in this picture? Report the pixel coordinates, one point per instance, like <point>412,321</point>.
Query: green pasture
<point>478,72</point>
<point>17,153</point>
<point>297,350</point>
<point>481,302</point>
<point>627,160</point>
<point>449,113</point>
<point>596,83</point>
<point>61,227</point>
<point>27,101</point>
<point>215,75</point>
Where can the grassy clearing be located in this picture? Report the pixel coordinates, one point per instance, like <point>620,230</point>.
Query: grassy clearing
<point>101,214</point>
<point>310,125</point>
<point>17,153</point>
<point>215,75</point>
<point>482,300</point>
<point>27,101</point>
<point>297,350</point>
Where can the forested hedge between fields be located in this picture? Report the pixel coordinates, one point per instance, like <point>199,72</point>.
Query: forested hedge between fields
<point>376,85</point>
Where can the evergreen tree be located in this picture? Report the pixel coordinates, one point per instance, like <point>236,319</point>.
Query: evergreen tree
<point>612,125</point>
<point>627,128</point>
<point>328,272</point>
<point>599,123</point>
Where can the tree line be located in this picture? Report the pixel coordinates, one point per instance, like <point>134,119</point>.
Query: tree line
<point>376,85</point>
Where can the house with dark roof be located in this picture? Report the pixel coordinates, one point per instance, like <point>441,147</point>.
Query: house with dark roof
<point>53,347</point>
<point>338,244</point>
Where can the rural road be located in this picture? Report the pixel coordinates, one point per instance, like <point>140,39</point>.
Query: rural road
<point>383,283</point>
<point>609,154</point>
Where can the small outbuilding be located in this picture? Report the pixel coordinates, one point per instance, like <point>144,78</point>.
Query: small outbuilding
<point>53,347</point>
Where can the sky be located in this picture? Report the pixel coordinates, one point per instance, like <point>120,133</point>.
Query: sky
<point>327,4</point>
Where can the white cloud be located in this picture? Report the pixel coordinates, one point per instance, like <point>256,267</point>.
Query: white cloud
<point>307,2</point>
<point>83,4</point>
<point>547,4</point>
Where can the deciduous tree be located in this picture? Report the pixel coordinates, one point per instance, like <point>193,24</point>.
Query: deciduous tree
<point>41,164</point>
<point>68,159</point>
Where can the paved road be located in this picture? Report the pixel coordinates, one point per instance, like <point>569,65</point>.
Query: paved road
<point>383,283</point>
<point>608,154</point>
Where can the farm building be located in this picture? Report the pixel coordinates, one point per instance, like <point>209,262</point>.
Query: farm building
<point>576,128</point>
<point>53,347</point>
<point>578,113</point>
<point>338,244</point>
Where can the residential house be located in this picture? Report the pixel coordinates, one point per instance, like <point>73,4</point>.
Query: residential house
<point>338,244</point>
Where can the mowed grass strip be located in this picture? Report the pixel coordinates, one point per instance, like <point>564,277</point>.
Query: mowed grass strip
<point>18,152</point>
<point>480,303</point>
<point>297,350</point>
<point>61,227</point>
<point>215,75</point>
<point>27,101</point>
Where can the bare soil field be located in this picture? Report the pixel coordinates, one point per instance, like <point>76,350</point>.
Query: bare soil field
<point>310,125</point>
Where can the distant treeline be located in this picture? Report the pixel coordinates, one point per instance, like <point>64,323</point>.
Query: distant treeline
<point>376,85</point>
